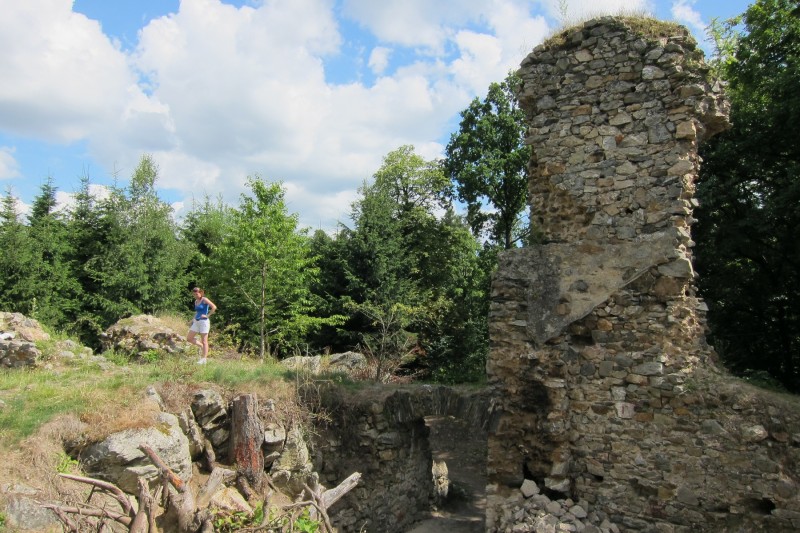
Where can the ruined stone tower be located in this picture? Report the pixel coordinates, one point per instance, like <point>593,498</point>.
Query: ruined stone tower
<point>604,388</point>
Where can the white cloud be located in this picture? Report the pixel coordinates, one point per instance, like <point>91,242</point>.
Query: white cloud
<point>684,12</point>
<point>9,168</point>
<point>216,93</point>
<point>379,59</point>
<point>67,75</point>
<point>413,23</point>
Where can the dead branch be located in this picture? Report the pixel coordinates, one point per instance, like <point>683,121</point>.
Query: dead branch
<point>63,517</point>
<point>217,477</point>
<point>331,496</point>
<point>180,499</point>
<point>320,507</point>
<point>112,489</point>
<point>141,521</point>
<point>89,511</point>
<point>165,471</point>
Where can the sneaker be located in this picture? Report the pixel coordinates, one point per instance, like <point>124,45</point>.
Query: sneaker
<point>202,361</point>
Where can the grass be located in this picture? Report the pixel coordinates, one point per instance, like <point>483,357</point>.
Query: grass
<point>639,22</point>
<point>33,397</point>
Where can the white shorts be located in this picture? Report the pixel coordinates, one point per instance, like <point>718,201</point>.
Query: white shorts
<point>200,326</point>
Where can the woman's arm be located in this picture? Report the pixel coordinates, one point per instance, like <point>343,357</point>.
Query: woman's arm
<point>211,305</point>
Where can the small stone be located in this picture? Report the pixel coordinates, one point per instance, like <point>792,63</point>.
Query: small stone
<point>529,488</point>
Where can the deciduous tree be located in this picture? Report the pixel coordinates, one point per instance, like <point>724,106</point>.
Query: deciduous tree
<point>486,161</point>
<point>748,252</point>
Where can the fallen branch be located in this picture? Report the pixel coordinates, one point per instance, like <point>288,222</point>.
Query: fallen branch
<point>181,500</point>
<point>112,489</point>
<point>331,496</point>
<point>89,511</point>
<point>165,471</point>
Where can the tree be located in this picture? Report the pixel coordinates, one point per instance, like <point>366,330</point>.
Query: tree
<point>205,228</point>
<point>57,292</point>
<point>90,230</point>
<point>142,265</point>
<point>748,251</point>
<point>486,160</point>
<point>411,264</point>
<point>267,271</point>
<point>17,284</point>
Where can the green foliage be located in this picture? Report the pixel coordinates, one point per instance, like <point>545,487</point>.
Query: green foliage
<point>408,274</point>
<point>266,271</point>
<point>389,339</point>
<point>66,464</point>
<point>486,160</point>
<point>17,281</point>
<point>226,521</point>
<point>305,524</point>
<point>150,356</point>
<point>748,253</point>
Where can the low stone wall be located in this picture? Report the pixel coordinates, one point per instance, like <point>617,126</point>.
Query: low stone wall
<point>381,433</point>
<point>605,390</point>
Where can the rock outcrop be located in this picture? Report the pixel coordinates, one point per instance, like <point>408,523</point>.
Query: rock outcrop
<point>119,460</point>
<point>140,334</point>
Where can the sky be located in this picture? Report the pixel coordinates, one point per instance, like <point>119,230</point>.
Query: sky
<point>310,93</point>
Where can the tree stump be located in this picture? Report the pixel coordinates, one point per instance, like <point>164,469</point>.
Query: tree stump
<point>247,435</point>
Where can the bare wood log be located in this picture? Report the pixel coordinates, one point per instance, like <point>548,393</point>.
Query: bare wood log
<point>180,497</point>
<point>316,501</point>
<point>141,521</point>
<point>63,517</point>
<point>244,487</point>
<point>247,436</point>
<point>164,470</point>
<point>331,496</point>
<point>217,477</point>
<point>112,489</point>
<point>90,511</point>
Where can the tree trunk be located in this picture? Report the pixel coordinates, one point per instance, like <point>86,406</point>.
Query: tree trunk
<point>247,435</point>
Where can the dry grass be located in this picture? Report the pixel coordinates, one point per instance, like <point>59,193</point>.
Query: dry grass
<point>639,22</point>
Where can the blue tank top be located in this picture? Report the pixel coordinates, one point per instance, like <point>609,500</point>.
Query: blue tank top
<point>200,310</point>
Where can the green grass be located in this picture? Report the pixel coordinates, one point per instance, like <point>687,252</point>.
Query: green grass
<point>33,397</point>
<point>640,23</point>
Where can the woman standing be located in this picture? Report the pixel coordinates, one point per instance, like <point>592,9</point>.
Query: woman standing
<point>201,325</point>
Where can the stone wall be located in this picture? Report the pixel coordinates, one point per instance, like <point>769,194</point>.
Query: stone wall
<point>381,433</point>
<point>604,388</point>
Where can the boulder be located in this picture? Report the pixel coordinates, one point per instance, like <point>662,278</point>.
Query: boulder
<point>24,513</point>
<point>119,460</point>
<point>211,415</point>
<point>293,469</point>
<point>22,327</point>
<point>139,334</point>
<point>308,363</point>
<point>347,361</point>
<point>19,353</point>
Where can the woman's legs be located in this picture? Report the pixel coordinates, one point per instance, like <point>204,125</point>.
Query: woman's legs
<point>203,345</point>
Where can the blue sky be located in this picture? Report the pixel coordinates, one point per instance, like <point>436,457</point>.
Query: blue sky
<point>313,93</point>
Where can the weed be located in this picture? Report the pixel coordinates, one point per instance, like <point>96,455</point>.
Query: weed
<point>150,356</point>
<point>225,521</point>
<point>66,464</point>
<point>305,524</point>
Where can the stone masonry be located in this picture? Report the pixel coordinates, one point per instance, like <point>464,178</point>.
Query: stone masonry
<point>381,433</point>
<point>604,388</point>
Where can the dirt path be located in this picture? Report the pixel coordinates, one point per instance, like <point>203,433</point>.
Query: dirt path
<point>464,452</point>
